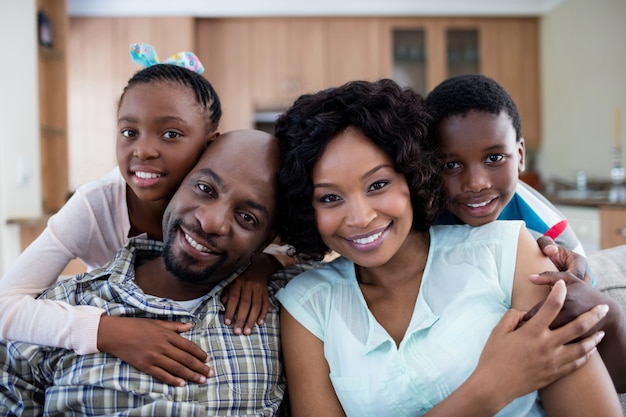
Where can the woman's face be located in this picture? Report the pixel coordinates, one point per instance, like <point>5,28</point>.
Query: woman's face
<point>362,205</point>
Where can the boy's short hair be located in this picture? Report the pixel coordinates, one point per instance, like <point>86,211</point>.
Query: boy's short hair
<point>457,96</point>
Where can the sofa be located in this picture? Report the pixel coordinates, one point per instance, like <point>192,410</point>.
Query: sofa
<point>608,267</point>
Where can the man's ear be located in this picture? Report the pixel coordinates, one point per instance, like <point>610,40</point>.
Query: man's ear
<point>521,149</point>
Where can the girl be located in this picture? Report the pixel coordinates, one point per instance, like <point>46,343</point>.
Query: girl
<point>167,115</point>
<point>412,319</point>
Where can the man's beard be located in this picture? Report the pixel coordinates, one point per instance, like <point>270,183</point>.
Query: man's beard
<point>180,267</point>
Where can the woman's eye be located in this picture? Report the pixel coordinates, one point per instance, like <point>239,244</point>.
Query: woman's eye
<point>451,165</point>
<point>329,198</point>
<point>378,185</point>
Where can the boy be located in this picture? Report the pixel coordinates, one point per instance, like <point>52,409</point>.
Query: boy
<point>479,130</point>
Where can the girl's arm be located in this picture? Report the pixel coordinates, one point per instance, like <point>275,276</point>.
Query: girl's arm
<point>246,298</point>
<point>507,368</point>
<point>44,322</point>
<point>571,395</point>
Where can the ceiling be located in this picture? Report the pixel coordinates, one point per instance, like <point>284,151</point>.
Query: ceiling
<point>249,8</point>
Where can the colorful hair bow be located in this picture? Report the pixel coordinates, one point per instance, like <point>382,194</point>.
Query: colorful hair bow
<point>145,55</point>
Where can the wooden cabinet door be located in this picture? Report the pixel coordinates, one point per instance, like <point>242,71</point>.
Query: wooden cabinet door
<point>286,59</point>
<point>223,47</point>
<point>354,51</point>
<point>511,56</point>
<point>612,226</point>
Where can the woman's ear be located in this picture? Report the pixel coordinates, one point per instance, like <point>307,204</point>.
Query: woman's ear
<point>211,138</point>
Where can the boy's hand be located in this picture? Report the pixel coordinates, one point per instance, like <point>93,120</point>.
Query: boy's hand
<point>246,298</point>
<point>154,347</point>
<point>564,259</point>
<point>580,298</point>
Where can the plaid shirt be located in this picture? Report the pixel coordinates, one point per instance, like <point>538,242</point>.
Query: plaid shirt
<point>248,380</point>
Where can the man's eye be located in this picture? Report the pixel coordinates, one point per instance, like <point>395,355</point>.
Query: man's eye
<point>249,219</point>
<point>206,189</point>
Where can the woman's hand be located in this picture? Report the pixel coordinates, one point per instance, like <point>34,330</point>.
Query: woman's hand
<point>154,347</point>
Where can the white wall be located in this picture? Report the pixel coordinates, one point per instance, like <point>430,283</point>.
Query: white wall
<point>20,183</point>
<point>583,72</point>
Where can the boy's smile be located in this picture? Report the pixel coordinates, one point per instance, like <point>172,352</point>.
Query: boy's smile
<point>482,164</point>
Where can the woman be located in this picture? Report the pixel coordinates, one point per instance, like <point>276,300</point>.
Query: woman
<point>412,319</point>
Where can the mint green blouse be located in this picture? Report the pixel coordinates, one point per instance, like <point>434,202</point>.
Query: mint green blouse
<point>466,288</point>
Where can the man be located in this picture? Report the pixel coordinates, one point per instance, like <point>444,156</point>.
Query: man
<point>222,214</point>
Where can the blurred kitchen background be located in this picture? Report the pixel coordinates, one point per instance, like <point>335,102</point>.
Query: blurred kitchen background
<point>66,63</point>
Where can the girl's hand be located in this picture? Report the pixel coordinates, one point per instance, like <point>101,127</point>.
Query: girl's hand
<point>154,347</point>
<point>247,298</point>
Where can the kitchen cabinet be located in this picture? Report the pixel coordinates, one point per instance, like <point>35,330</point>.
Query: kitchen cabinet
<point>506,49</point>
<point>287,57</point>
<point>53,140</point>
<point>613,225</point>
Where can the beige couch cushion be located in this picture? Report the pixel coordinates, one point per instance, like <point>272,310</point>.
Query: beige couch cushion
<point>608,267</point>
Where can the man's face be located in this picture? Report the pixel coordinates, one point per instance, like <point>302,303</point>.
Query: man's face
<point>224,209</point>
<point>483,162</point>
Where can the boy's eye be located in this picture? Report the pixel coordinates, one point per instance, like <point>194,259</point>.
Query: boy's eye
<point>496,157</point>
<point>378,185</point>
<point>128,133</point>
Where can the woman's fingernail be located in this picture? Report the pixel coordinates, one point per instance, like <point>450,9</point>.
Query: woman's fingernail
<point>604,309</point>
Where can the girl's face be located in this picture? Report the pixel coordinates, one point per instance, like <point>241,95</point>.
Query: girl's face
<point>362,205</point>
<point>160,136</point>
<point>482,165</point>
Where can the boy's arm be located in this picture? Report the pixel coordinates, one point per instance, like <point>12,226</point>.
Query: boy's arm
<point>580,298</point>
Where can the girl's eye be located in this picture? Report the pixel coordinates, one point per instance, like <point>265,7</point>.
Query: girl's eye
<point>496,157</point>
<point>451,165</point>
<point>170,134</point>
<point>378,185</point>
<point>128,133</point>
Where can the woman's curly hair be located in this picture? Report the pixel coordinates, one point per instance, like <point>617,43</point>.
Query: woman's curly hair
<point>391,116</point>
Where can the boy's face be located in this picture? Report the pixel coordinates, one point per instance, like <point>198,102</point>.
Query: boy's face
<point>482,164</point>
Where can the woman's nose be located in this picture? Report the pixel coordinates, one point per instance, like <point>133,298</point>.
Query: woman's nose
<point>361,213</point>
